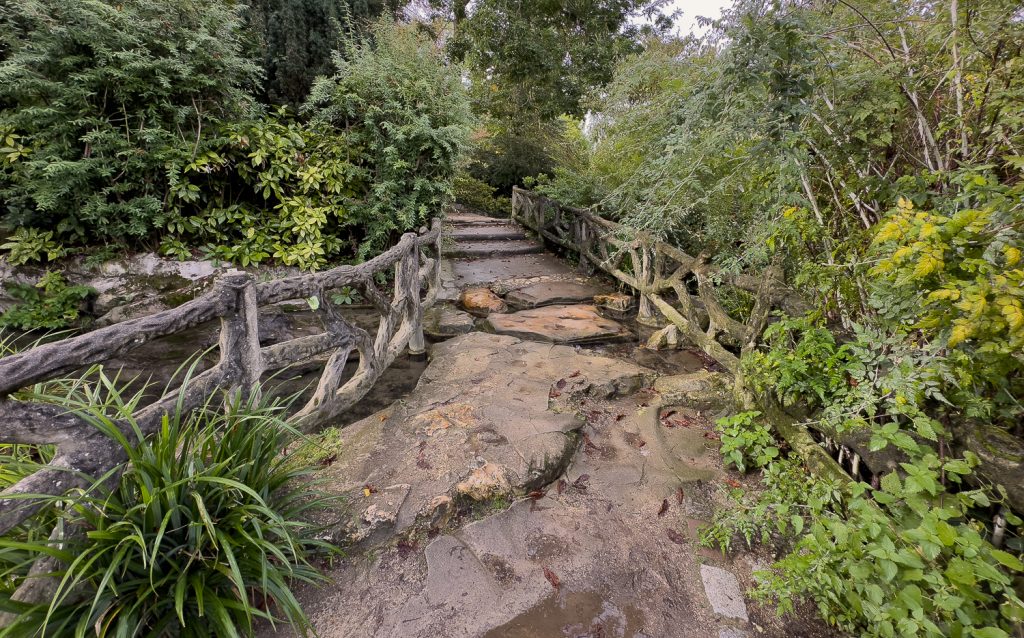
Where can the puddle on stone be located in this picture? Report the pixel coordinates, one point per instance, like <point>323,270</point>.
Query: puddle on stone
<point>661,361</point>
<point>573,615</point>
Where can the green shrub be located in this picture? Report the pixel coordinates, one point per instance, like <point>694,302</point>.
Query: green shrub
<point>479,195</point>
<point>406,111</point>
<point>270,188</point>
<point>50,304</point>
<point>745,442</point>
<point>31,244</point>
<point>101,96</point>
<point>801,362</point>
<point>200,534</point>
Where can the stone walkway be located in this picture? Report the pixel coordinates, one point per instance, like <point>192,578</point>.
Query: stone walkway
<point>530,487</point>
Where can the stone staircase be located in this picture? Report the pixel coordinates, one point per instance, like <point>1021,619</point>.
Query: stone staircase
<point>480,236</point>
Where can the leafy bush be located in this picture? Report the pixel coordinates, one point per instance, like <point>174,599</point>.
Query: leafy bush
<point>745,442</point>
<point>199,533</point>
<point>802,362</point>
<point>31,244</point>
<point>50,304</point>
<point>405,110</point>
<point>272,188</point>
<point>478,195</point>
<point>101,97</point>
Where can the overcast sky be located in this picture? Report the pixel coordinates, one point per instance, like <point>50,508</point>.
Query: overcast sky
<point>687,23</point>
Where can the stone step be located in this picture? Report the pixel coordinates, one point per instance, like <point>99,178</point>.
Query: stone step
<point>494,248</point>
<point>485,232</point>
<point>470,219</point>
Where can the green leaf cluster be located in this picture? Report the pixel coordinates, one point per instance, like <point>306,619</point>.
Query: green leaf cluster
<point>49,304</point>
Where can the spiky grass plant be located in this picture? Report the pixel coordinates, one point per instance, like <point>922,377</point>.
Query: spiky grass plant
<point>200,533</point>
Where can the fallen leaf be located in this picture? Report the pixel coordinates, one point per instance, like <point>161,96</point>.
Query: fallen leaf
<point>664,508</point>
<point>581,482</point>
<point>560,486</point>
<point>732,483</point>
<point>574,374</point>
<point>537,494</point>
<point>675,537</point>
<point>552,578</point>
<point>554,394</point>
<point>679,495</point>
<point>383,418</point>
<point>619,417</point>
<point>714,436</point>
<point>560,384</point>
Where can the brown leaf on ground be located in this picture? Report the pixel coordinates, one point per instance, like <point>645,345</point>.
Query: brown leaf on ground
<point>554,394</point>
<point>581,482</point>
<point>664,508</point>
<point>552,578</point>
<point>675,537</point>
<point>574,374</point>
<point>619,417</point>
<point>328,461</point>
<point>537,494</point>
<point>680,495</point>
<point>560,384</point>
<point>714,436</point>
<point>560,486</point>
<point>732,483</point>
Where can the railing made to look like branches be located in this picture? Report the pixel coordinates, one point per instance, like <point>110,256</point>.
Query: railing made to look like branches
<point>662,277</point>
<point>235,299</point>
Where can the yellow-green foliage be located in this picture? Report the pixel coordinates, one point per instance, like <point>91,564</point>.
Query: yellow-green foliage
<point>967,267</point>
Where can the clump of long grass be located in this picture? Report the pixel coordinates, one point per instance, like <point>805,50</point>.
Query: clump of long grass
<point>201,532</point>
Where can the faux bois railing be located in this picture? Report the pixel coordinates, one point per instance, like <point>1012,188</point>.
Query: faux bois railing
<point>677,285</point>
<point>235,299</point>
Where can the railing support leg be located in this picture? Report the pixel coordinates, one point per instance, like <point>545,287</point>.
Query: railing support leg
<point>407,283</point>
<point>239,333</point>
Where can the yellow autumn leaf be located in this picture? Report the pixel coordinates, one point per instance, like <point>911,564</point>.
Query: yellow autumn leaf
<point>928,264</point>
<point>961,331</point>
<point>927,230</point>
<point>1012,255</point>
<point>889,231</point>
<point>944,294</point>
<point>1014,315</point>
<point>905,203</point>
<point>901,253</point>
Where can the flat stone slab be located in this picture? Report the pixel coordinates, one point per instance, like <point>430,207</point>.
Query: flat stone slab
<point>724,593</point>
<point>549,293</point>
<point>476,425</point>
<point>443,321</point>
<point>559,324</point>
